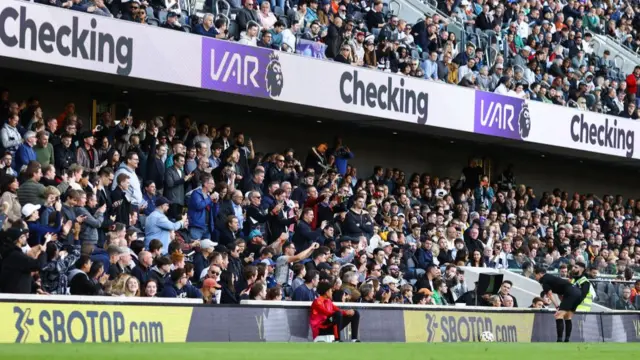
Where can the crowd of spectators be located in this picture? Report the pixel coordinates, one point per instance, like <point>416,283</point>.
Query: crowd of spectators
<point>539,50</point>
<point>170,208</point>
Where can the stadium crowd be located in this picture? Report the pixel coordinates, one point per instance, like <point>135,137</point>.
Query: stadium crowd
<point>171,208</point>
<point>539,50</point>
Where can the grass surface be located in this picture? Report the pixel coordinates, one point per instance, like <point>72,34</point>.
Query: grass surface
<point>310,351</point>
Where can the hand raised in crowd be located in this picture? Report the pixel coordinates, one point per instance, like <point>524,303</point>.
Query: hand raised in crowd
<point>215,197</point>
<point>58,205</point>
<point>112,218</point>
<point>103,279</point>
<point>80,219</point>
<point>102,208</point>
<point>67,227</point>
<point>315,245</point>
<point>188,177</point>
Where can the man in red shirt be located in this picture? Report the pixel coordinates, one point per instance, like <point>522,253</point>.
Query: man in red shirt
<point>328,319</point>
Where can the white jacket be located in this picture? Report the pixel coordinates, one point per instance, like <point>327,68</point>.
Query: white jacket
<point>11,138</point>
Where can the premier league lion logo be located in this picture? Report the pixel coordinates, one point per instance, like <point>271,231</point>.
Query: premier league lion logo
<point>524,122</point>
<point>273,77</point>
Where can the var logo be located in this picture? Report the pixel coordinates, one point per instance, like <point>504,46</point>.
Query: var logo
<point>242,69</point>
<point>259,72</point>
<point>500,115</point>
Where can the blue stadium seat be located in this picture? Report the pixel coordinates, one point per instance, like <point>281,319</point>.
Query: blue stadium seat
<point>187,28</point>
<point>150,13</point>
<point>153,21</point>
<point>162,16</point>
<point>184,17</point>
<point>278,11</point>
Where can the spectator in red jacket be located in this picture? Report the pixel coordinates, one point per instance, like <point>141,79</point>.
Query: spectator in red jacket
<point>328,319</point>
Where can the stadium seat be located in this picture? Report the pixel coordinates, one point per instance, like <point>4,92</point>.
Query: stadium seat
<point>234,30</point>
<point>162,16</point>
<point>150,13</point>
<point>278,11</point>
<point>285,20</point>
<point>153,22</point>
<point>187,28</point>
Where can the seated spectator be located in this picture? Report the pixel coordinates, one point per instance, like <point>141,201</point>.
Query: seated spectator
<point>209,28</point>
<point>247,15</point>
<point>250,36</point>
<point>266,16</point>
<point>173,22</point>
<point>179,287</point>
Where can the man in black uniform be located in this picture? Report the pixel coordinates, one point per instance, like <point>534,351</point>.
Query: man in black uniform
<point>570,295</point>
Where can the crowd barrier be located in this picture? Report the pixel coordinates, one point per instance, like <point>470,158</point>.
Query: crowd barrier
<point>59,319</point>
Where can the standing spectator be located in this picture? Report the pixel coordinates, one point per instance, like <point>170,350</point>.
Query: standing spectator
<point>25,152</point>
<point>44,150</point>
<point>158,226</point>
<point>87,155</point>
<point>134,191</point>
<point>17,266</point>
<point>246,15</point>
<point>31,191</point>
<point>121,200</point>
<point>203,209</point>
<point>91,224</point>
<point>10,135</point>
<point>9,185</point>
<point>155,166</point>
<point>64,154</point>
<point>334,38</point>
<point>174,185</point>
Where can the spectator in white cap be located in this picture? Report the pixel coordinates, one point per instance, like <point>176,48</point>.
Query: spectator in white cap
<point>201,257</point>
<point>25,152</point>
<point>38,232</point>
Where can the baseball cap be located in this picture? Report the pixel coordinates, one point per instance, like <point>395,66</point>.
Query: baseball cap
<point>512,216</point>
<point>254,234</point>
<point>29,209</point>
<point>527,48</point>
<point>268,262</point>
<point>207,244</point>
<point>173,14</point>
<point>162,201</point>
<point>14,234</point>
<point>389,280</point>
<point>383,244</point>
<point>209,283</point>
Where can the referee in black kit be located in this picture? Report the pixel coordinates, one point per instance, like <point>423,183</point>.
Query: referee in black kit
<point>570,295</point>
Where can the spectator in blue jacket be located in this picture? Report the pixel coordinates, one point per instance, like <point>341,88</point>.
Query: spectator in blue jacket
<point>424,254</point>
<point>158,226</point>
<point>178,288</point>
<point>203,209</point>
<point>37,231</point>
<point>307,291</point>
<point>25,152</point>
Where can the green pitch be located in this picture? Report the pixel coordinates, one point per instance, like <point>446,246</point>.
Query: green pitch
<point>310,351</point>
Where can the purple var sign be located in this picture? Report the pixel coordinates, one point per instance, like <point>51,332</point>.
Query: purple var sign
<point>501,115</point>
<point>240,69</point>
